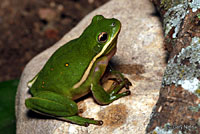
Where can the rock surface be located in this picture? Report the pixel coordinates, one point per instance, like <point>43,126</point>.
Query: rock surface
<point>140,56</point>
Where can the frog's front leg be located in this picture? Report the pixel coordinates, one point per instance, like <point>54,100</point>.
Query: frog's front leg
<point>55,105</point>
<point>100,95</point>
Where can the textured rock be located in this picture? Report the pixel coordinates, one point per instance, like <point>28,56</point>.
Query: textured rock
<point>140,57</point>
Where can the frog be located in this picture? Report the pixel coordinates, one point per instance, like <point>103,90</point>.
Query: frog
<point>76,69</point>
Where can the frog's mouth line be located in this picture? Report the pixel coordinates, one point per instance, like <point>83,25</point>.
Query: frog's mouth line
<point>112,43</point>
<point>112,46</point>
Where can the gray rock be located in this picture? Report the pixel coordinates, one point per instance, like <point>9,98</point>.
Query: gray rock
<point>140,56</point>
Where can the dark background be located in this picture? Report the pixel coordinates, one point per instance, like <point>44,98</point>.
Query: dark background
<point>27,27</point>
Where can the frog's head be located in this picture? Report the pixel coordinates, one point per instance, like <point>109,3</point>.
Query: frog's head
<point>103,33</point>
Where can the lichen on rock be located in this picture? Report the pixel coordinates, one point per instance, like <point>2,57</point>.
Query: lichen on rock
<point>183,70</point>
<point>195,5</point>
<point>174,16</point>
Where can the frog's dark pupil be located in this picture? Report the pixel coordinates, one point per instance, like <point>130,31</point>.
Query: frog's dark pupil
<point>103,37</point>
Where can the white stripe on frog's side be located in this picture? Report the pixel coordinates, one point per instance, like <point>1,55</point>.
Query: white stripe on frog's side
<point>85,75</point>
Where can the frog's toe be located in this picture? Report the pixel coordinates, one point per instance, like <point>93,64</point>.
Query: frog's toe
<point>100,123</point>
<point>128,92</point>
<point>82,120</point>
<point>127,83</point>
<point>97,122</point>
<point>86,124</point>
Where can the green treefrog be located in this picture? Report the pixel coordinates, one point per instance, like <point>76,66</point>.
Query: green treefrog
<point>76,69</point>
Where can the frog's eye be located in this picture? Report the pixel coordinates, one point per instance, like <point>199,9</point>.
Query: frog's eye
<point>113,24</point>
<point>102,38</point>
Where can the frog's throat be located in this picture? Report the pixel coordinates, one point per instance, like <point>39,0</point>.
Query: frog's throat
<point>93,60</point>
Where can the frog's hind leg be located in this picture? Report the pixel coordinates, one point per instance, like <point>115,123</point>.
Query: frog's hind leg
<point>51,103</point>
<point>54,105</point>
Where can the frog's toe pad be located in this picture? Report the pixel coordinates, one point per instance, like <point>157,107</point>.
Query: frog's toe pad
<point>100,123</point>
<point>127,83</point>
<point>128,92</point>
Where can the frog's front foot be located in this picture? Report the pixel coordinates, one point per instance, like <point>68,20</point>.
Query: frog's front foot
<point>125,82</point>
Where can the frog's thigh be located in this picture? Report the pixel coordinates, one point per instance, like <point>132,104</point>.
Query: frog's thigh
<point>52,104</point>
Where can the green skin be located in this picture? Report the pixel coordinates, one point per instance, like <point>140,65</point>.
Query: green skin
<point>74,70</point>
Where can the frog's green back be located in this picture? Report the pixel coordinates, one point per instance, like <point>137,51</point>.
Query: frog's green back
<point>65,67</point>
<point>68,64</point>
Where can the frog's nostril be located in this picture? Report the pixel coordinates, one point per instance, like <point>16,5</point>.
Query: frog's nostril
<point>113,24</point>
